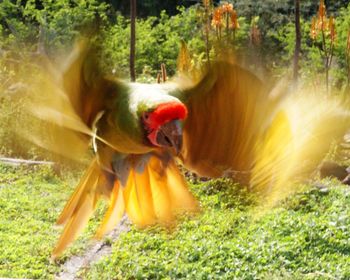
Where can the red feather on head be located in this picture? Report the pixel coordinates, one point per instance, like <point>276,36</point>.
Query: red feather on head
<point>166,112</point>
<point>163,113</point>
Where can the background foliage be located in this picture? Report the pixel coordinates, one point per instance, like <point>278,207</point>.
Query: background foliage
<point>306,237</point>
<point>52,26</point>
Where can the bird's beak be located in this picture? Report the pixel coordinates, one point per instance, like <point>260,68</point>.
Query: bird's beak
<point>170,135</point>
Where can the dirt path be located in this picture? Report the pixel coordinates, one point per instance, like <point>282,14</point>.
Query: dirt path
<point>100,249</point>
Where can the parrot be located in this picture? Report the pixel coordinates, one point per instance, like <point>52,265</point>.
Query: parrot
<point>225,122</point>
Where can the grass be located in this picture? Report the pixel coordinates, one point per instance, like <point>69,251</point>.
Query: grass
<point>305,237</point>
<point>30,202</point>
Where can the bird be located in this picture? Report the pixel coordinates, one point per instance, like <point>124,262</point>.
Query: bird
<point>224,122</point>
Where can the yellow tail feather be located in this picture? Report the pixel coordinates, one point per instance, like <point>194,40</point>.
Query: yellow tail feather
<point>79,208</point>
<point>76,222</point>
<point>133,201</point>
<point>145,200</point>
<point>182,200</point>
<point>90,175</point>
<point>160,193</point>
<point>157,194</point>
<point>114,213</point>
<point>152,196</point>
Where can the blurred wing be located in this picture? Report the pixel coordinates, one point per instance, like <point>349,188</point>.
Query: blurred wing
<point>66,102</point>
<point>297,140</point>
<point>235,128</point>
<point>85,85</point>
<point>227,111</point>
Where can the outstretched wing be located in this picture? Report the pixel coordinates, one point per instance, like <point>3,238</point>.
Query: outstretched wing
<point>67,100</point>
<point>227,111</point>
<point>300,136</point>
<point>85,84</point>
<point>237,128</point>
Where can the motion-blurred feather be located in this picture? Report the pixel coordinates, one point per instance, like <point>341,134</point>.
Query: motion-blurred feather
<point>79,209</point>
<point>297,141</point>
<point>114,213</point>
<point>235,126</point>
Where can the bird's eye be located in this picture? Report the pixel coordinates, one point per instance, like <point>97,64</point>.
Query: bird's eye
<point>146,116</point>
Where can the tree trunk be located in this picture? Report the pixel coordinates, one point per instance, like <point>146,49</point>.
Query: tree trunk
<point>297,41</point>
<point>132,39</point>
<point>207,27</point>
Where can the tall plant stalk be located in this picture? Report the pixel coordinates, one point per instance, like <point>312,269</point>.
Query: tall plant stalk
<point>297,42</point>
<point>325,27</point>
<point>206,4</point>
<point>132,39</point>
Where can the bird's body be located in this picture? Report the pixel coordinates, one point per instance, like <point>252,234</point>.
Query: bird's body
<point>123,128</point>
<point>227,122</point>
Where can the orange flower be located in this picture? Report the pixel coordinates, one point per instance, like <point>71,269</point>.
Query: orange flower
<point>234,21</point>
<point>313,31</point>
<point>227,7</point>
<point>217,17</point>
<point>322,10</point>
<point>322,17</point>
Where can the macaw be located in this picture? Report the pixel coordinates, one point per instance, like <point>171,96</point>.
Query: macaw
<point>225,123</point>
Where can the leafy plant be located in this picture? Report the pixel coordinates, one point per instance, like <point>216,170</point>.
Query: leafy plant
<point>323,29</point>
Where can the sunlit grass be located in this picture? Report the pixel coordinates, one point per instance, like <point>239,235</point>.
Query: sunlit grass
<point>30,202</point>
<point>304,237</point>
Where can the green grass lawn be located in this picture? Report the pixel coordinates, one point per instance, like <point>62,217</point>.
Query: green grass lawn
<point>30,202</point>
<point>305,237</point>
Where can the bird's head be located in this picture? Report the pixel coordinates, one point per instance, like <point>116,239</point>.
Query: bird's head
<point>163,124</point>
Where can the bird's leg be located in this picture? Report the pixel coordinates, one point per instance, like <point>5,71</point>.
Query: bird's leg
<point>122,163</point>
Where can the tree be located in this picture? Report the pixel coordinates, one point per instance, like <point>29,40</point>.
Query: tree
<point>132,39</point>
<point>297,41</point>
